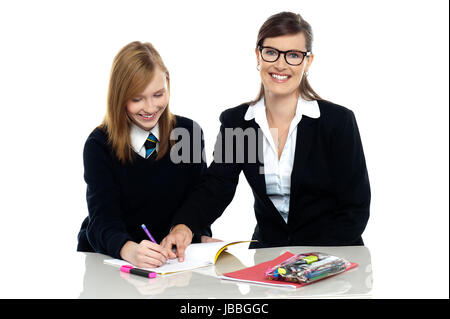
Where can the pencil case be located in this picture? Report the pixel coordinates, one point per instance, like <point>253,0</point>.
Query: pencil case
<point>307,268</point>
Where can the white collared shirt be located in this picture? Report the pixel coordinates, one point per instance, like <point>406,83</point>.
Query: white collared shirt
<point>277,173</point>
<point>138,136</point>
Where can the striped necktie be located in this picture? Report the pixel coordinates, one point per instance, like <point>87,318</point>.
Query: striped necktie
<point>150,145</point>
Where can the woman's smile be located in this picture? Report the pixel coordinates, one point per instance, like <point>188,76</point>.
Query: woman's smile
<point>279,77</point>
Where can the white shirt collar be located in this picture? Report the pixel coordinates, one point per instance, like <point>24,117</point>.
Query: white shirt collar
<point>139,135</point>
<point>258,112</point>
<point>308,108</point>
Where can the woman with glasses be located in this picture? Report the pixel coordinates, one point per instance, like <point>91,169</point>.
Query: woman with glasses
<point>301,155</point>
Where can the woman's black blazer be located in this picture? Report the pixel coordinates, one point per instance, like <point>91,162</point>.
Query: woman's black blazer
<point>330,191</point>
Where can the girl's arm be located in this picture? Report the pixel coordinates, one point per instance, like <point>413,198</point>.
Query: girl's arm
<point>106,232</point>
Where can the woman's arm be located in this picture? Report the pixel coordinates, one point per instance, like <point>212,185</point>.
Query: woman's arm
<point>197,171</point>
<point>351,182</point>
<point>208,200</point>
<point>214,192</point>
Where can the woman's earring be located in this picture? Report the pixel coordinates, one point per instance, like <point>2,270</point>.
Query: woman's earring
<point>258,67</point>
<point>305,73</point>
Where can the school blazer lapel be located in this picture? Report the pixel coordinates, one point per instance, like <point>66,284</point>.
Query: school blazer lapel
<point>305,134</point>
<point>255,171</point>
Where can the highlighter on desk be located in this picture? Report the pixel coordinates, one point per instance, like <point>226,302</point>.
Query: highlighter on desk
<point>136,271</point>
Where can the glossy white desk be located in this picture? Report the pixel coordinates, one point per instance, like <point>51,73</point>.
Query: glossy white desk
<point>103,281</point>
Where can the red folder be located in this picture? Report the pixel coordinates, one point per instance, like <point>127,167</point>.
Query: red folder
<point>256,274</point>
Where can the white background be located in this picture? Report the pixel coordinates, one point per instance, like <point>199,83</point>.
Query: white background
<point>385,60</point>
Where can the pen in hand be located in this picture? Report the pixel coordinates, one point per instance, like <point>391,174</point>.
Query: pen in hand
<point>148,233</point>
<point>150,236</point>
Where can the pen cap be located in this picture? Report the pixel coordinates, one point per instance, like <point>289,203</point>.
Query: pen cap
<point>126,268</point>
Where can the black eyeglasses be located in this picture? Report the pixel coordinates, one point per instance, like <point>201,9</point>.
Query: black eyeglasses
<point>292,57</point>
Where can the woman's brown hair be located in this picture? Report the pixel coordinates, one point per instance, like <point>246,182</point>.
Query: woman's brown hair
<point>132,70</point>
<point>287,23</point>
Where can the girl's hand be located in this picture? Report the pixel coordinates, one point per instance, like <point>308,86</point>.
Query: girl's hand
<point>146,254</point>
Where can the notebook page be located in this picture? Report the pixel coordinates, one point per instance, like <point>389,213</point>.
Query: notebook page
<point>195,256</point>
<point>205,251</point>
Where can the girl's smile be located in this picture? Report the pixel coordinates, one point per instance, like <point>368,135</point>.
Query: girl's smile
<point>146,108</point>
<point>147,117</point>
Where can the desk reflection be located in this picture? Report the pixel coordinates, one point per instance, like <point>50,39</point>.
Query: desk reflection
<point>103,281</point>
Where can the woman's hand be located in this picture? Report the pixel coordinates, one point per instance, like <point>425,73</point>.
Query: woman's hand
<point>146,254</point>
<point>180,236</point>
<point>207,239</point>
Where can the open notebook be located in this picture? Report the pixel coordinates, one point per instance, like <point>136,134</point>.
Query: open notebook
<point>196,256</point>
